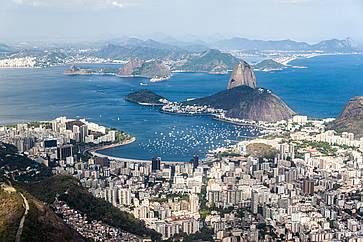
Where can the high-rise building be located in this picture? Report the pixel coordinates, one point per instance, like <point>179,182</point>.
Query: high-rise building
<point>195,161</point>
<point>308,187</point>
<point>64,151</point>
<point>254,202</point>
<point>124,196</point>
<point>155,164</point>
<point>194,203</point>
<point>76,133</point>
<point>24,143</point>
<point>50,143</point>
<point>83,132</point>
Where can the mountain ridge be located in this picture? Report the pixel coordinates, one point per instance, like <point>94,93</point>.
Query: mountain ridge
<point>332,45</point>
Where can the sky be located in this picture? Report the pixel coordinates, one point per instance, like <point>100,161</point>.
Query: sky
<point>92,20</point>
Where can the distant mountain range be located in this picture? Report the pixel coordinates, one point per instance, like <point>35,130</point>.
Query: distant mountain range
<point>333,45</point>
<point>125,52</point>
<point>4,48</point>
<point>189,56</point>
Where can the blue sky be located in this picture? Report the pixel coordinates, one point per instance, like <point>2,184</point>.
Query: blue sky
<point>79,20</point>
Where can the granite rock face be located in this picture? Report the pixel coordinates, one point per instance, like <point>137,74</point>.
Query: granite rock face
<point>351,118</point>
<point>129,67</point>
<point>242,75</point>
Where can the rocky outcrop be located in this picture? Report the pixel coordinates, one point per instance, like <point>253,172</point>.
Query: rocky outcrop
<point>247,103</point>
<point>242,75</point>
<point>129,67</point>
<point>154,70</point>
<point>351,118</point>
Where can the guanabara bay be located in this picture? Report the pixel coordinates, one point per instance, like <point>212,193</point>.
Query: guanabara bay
<point>181,121</point>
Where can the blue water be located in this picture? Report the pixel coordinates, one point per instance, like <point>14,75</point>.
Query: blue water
<point>320,90</point>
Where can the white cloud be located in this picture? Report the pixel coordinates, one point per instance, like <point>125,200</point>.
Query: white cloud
<point>117,4</point>
<point>79,3</point>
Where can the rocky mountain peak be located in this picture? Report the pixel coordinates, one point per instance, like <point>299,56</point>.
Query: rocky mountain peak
<point>242,75</point>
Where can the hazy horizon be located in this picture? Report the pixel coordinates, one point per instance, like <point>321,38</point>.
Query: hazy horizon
<point>187,20</point>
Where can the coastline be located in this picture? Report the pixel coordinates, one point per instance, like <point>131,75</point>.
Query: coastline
<point>94,150</point>
<point>153,80</point>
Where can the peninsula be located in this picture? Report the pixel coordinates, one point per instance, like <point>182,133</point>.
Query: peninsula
<point>241,100</point>
<point>269,65</point>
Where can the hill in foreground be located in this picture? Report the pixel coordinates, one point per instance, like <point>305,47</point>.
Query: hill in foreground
<point>11,211</point>
<point>351,118</point>
<point>79,198</point>
<point>40,224</point>
<point>40,188</point>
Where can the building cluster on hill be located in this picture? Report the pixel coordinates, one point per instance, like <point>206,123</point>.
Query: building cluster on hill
<point>96,230</point>
<point>299,182</point>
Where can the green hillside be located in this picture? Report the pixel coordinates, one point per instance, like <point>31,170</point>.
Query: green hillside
<point>209,61</point>
<point>80,199</point>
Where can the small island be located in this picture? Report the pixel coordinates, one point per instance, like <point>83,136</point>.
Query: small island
<point>74,70</point>
<point>146,97</point>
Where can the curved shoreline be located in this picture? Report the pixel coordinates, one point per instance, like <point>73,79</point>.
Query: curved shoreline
<point>94,150</point>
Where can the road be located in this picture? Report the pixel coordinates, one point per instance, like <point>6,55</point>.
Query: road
<point>21,225</point>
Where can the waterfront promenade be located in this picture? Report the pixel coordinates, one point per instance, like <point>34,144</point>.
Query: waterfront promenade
<point>94,153</point>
